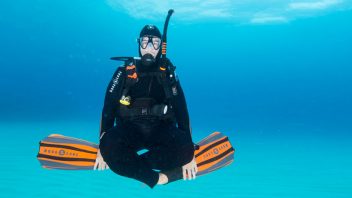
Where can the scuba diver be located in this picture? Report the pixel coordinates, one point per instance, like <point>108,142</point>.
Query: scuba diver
<point>145,109</point>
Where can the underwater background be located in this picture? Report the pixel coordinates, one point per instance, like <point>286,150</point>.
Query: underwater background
<point>274,76</point>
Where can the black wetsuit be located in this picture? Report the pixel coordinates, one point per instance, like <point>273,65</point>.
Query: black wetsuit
<point>168,142</point>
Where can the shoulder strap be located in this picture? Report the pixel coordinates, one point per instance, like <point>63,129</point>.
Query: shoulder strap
<point>168,80</point>
<point>130,80</point>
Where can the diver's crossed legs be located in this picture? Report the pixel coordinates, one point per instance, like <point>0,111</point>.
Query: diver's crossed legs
<point>169,148</point>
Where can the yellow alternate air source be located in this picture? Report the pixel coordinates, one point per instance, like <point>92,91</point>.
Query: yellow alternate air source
<point>125,100</point>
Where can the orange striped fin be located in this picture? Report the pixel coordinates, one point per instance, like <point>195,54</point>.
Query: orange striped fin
<point>61,152</point>
<point>67,153</point>
<point>214,152</point>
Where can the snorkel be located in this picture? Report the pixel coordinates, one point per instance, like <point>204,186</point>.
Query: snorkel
<point>132,60</point>
<point>164,40</point>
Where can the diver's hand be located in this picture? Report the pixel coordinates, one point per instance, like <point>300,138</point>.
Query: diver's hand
<point>100,164</point>
<point>190,170</point>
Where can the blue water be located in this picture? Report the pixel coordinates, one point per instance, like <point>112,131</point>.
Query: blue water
<point>278,84</point>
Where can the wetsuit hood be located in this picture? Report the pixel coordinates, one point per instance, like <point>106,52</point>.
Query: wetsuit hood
<point>148,61</point>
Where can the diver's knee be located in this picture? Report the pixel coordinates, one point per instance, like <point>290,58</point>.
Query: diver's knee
<point>189,153</point>
<point>185,154</point>
<point>109,146</point>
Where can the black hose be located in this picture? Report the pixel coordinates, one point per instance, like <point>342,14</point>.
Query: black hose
<point>164,37</point>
